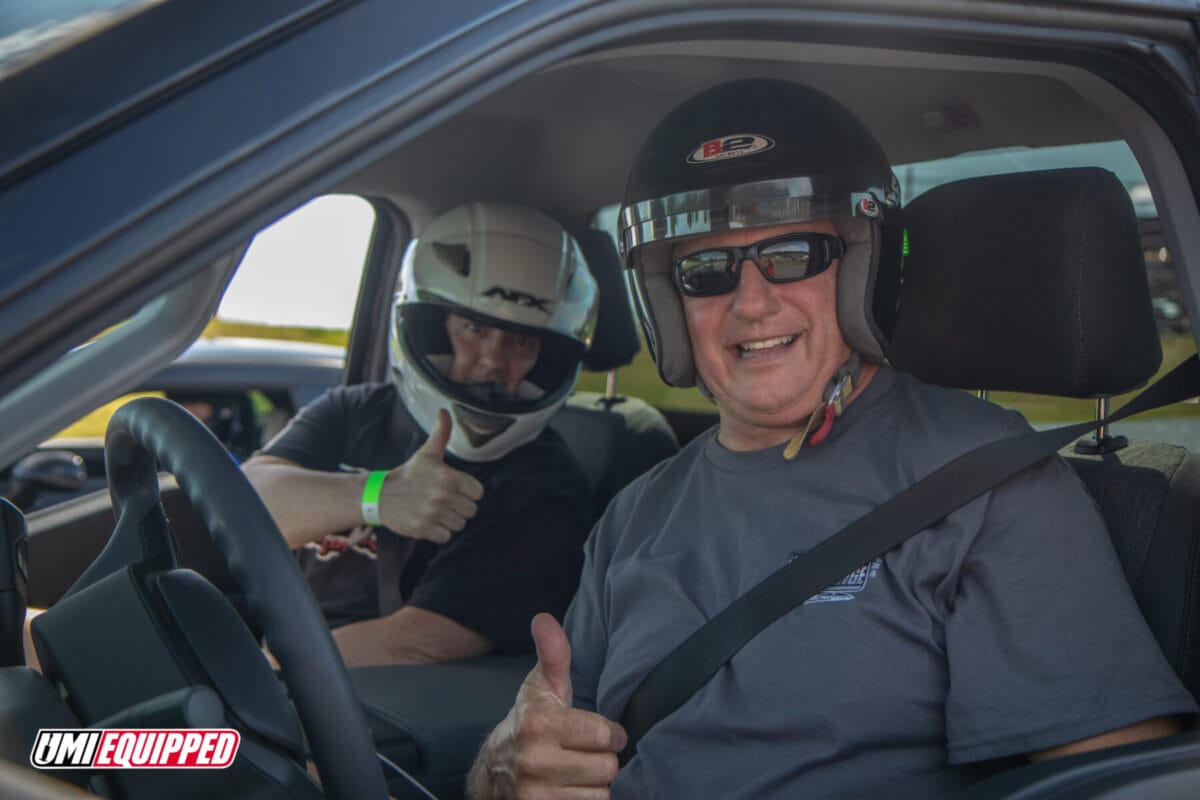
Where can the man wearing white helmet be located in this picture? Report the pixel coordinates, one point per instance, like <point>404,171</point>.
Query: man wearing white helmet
<point>436,513</point>
<point>762,228</point>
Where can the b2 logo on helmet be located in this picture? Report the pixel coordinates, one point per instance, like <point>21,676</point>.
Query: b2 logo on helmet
<point>868,207</point>
<point>738,144</point>
<point>520,298</point>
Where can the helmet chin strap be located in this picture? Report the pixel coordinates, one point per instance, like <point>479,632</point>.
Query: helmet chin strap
<point>841,385</point>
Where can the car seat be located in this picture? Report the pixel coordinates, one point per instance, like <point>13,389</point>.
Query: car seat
<point>615,438</point>
<point>1035,282</point>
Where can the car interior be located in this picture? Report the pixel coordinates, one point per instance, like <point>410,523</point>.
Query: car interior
<point>1029,280</point>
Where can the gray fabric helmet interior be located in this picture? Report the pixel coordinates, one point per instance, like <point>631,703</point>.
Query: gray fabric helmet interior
<point>856,286</point>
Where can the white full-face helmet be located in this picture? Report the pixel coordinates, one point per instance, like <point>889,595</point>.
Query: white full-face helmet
<point>505,266</point>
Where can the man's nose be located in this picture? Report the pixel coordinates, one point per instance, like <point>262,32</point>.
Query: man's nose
<point>754,295</point>
<point>494,352</point>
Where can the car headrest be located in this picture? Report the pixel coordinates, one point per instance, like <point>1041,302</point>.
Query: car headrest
<point>616,340</point>
<point>1030,282</point>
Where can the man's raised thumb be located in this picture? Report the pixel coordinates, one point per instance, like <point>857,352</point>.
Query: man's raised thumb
<point>435,445</point>
<point>554,656</point>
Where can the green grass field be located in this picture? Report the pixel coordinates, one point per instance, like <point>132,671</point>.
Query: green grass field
<point>640,379</point>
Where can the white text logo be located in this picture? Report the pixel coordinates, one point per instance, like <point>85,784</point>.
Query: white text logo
<point>134,748</point>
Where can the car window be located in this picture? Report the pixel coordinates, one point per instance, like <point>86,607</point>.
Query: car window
<point>299,278</point>
<point>266,409</point>
<point>1115,156</point>
<point>298,281</point>
<point>92,424</point>
<point>1180,423</point>
<point>275,343</point>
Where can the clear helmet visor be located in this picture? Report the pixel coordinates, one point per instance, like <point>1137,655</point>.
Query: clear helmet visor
<point>756,205</point>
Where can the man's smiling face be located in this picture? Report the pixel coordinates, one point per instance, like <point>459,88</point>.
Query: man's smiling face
<point>765,350</point>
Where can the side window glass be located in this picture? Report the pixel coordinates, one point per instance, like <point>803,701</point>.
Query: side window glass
<point>1176,424</point>
<point>299,278</point>
<point>640,378</point>
<point>277,340</point>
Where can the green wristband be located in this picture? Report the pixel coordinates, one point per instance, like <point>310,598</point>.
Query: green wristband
<point>370,497</point>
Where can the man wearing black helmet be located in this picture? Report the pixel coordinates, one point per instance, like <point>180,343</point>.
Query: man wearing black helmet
<point>436,513</point>
<point>762,230</point>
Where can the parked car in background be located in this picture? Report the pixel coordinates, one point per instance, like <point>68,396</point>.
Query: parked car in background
<point>245,390</point>
<point>155,140</point>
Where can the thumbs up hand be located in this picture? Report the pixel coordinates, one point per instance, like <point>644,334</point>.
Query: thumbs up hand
<point>424,498</point>
<point>544,747</point>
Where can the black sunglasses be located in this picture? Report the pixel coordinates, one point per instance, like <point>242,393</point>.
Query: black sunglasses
<point>780,259</point>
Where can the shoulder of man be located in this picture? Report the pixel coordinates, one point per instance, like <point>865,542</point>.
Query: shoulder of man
<point>661,481</point>
<point>378,431</point>
<point>959,415</point>
<point>362,395</point>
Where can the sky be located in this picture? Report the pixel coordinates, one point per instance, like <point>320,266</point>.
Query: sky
<point>305,269</point>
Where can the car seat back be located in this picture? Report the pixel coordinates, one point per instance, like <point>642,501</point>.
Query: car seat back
<point>614,438</point>
<point>1035,282</point>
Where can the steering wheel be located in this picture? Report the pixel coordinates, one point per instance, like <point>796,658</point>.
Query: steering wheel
<point>150,431</point>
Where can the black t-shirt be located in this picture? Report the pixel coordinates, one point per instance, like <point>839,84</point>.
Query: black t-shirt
<point>520,554</point>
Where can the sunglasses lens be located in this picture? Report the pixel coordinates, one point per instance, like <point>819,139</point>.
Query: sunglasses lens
<point>705,273</point>
<point>787,258</point>
<point>792,259</point>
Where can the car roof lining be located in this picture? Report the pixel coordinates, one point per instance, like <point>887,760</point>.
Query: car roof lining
<point>602,105</point>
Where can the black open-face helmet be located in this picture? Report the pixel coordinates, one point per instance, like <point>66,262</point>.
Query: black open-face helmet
<point>756,153</point>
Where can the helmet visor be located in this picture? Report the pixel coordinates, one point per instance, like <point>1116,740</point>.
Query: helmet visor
<point>754,205</point>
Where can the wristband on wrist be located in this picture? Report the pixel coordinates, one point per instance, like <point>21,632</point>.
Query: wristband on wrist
<point>370,497</point>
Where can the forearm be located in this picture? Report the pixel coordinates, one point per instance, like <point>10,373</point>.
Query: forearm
<point>1149,729</point>
<point>408,636</point>
<point>306,504</point>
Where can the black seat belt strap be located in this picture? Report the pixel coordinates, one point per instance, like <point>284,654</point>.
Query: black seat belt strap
<point>689,666</point>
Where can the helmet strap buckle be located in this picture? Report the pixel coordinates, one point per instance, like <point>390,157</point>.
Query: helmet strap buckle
<point>837,392</point>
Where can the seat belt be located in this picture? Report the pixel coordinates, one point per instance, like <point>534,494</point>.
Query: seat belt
<point>690,665</point>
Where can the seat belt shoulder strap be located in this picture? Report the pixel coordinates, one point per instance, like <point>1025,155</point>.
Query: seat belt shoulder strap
<point>690,665</point>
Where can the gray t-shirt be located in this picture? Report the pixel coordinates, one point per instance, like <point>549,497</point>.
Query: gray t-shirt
<point>1005,629</point>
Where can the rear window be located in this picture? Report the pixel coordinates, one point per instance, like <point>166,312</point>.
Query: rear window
<point>1115,156</point>
<point>640,379</point>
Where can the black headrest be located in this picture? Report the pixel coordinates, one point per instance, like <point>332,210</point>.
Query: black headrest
<point>1030,282</point>
<point>616,341</point>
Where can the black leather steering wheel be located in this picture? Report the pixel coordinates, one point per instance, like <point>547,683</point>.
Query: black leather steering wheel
<point>152,431</point>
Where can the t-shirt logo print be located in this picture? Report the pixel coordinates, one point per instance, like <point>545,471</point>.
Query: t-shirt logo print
<point>844,590</point>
